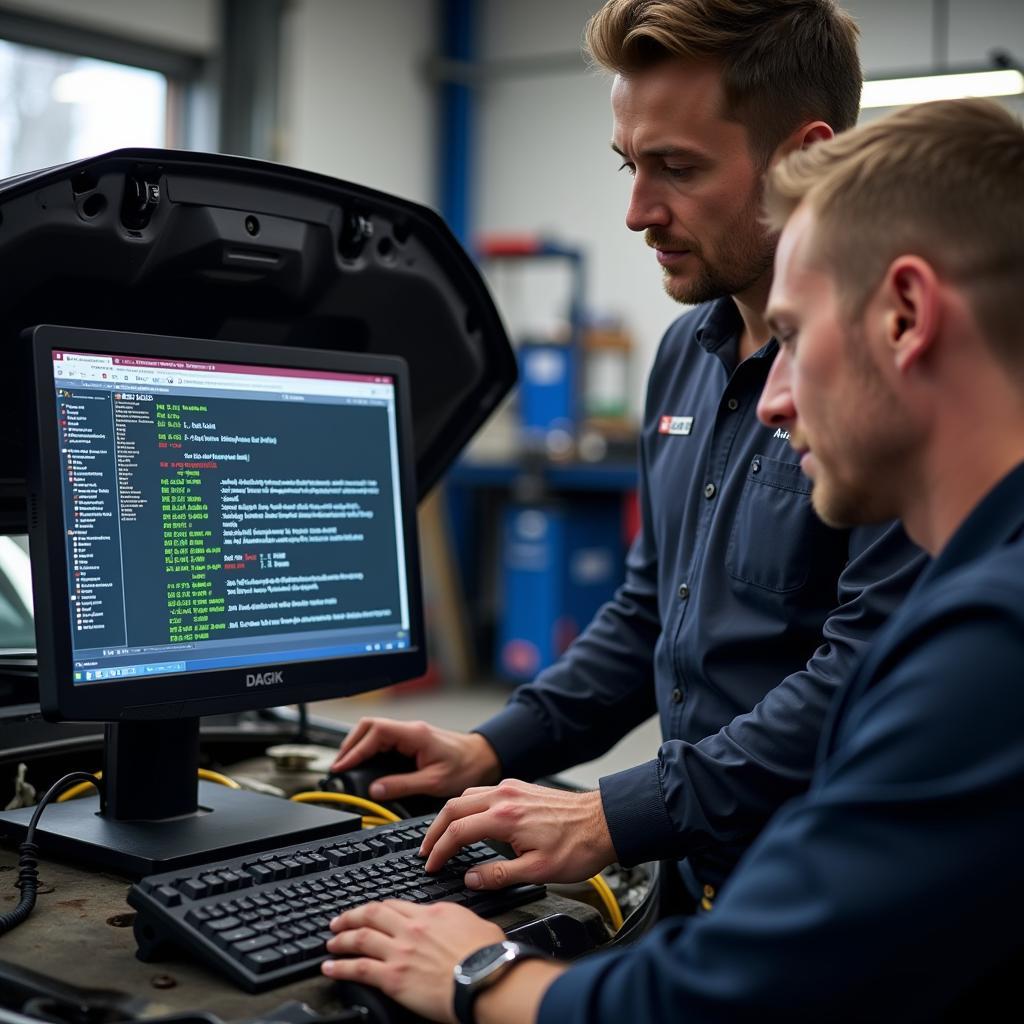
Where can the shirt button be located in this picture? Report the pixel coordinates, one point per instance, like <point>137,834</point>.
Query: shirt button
<point>684,591</point>
<point>709,490</point>
<point>677,696</point>
<point>755,466</point>
<point>732,404</point>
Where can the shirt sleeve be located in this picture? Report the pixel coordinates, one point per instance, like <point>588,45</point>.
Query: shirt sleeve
<point>890,889</point>
<point>722,789</point>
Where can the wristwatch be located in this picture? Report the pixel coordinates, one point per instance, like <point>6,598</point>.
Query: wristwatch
<point>482,969</point>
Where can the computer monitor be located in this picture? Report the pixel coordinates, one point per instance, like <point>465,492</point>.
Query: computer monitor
<point>214,527</point>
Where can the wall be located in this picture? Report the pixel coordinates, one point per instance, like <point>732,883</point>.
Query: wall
<point>189,25</point>
<point>356,103</point>
<point>545,166</point>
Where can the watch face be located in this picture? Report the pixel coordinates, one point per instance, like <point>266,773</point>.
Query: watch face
<point>482,957</point>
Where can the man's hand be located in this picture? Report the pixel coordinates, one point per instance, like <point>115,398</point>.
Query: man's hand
<point>557,836</point>
<point>407,951</point>
<point>446,762</point>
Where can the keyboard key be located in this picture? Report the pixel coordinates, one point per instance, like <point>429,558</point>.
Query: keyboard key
<point>277,869</point>
<point>223,924</point>
<point>260,873</point>
<point>251,945</point>
<point>193,888</point>
<point>265,960</point>
<point>235,935</point>
<point>289,951</point>
<point>167,896</point>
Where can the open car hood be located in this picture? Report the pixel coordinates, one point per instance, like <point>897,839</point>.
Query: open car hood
<point>209,246</point>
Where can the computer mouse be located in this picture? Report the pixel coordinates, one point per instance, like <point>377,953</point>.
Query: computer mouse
<point>377,1007</point>
<point>357,781</point>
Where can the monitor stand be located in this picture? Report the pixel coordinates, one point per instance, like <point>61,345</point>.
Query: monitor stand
<point>155,816</point>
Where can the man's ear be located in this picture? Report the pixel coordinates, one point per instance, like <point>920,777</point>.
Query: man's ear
<point>911,310</point>
<point>801,138</point>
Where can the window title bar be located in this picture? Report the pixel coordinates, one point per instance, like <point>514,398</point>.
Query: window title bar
<point>96,362</point>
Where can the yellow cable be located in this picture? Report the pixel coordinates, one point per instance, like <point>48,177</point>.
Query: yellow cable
<point>204,773</point>
<point>223,780</point>
<point>604,890</point>
<point>314,795</point>
<point>82,787</point>
<point>370,822</point>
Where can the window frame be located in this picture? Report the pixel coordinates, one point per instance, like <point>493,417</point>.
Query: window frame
<point>189,76</point>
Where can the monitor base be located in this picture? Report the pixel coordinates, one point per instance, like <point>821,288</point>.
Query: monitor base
<point>228,823</point>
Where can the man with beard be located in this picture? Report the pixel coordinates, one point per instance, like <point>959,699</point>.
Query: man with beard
<point>741,612</point>
<point>892,889</point>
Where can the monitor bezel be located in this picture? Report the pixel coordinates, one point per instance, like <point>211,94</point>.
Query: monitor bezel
<point>200,692</point>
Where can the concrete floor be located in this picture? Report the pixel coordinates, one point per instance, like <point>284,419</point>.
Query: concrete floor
<point>463,709</point>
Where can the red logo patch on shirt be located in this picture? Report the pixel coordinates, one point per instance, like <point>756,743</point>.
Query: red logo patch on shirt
<point>677,425</point>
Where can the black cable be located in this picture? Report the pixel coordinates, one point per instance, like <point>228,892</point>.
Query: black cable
<point>28,853</point>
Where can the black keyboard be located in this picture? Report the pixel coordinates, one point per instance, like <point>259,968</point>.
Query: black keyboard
<point>262,919</point>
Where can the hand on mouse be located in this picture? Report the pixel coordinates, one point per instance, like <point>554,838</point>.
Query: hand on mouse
<point>409,952</point>
<point>446,761</point>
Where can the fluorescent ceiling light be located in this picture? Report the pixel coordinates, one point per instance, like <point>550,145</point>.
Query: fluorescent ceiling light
<point>897,92</point>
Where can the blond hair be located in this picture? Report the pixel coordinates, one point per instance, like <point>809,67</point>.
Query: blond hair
<point>943,181</point>
<point>784,62</point>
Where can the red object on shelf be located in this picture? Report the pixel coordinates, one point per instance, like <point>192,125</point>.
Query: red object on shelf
<point>508,245</point>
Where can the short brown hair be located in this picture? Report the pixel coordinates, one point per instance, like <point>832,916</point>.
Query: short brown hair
<point>783,62</point>
<point>943,181</point>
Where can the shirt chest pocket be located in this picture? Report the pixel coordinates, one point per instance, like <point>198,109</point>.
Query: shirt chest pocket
<point>776,537</point>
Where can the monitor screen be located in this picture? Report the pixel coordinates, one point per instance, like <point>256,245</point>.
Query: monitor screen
<point>218,526</point>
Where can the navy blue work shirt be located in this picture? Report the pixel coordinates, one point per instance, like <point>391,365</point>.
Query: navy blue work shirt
<point>739,616</point>
<point>892,889</point>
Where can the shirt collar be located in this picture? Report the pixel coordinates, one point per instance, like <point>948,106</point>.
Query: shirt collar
<point>994,522</point>
<point>722,326</point>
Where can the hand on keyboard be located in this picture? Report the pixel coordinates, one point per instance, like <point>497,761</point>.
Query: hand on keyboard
<point>557,836</point>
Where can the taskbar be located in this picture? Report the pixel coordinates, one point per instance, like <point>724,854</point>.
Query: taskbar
<point>262,659</point>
